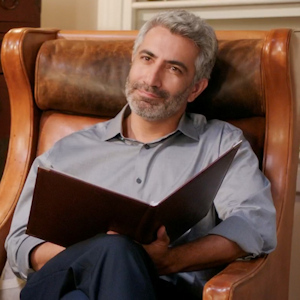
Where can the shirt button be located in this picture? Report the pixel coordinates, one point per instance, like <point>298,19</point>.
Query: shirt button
<point>147,146</point>
<point>139,180</point>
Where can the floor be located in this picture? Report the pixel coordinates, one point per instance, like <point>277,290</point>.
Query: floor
<point>295,260</point>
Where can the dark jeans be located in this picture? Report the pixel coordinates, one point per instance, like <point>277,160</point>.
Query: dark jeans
<point>106,267</point>
<point>75,295</point>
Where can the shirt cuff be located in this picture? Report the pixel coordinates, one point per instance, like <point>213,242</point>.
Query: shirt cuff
<point>239,231</point>
<point>23,255</point>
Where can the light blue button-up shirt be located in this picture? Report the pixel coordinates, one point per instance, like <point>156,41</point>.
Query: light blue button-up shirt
<point>243,209</point>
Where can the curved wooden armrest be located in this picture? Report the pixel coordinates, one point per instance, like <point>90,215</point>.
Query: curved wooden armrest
<point>238,279</point>
<point>19,78</point>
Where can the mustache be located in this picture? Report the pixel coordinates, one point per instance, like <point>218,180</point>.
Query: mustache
<point>150,89</point>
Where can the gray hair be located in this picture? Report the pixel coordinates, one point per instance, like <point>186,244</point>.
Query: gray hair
<point>188,25</point>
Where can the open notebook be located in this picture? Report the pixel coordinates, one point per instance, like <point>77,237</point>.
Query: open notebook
<point>66,210</point>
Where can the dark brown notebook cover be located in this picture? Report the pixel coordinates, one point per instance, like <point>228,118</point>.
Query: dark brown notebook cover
<point>66,210</point>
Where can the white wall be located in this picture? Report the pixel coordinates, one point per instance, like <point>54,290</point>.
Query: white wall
<point>92,14</point>
<point>256,24</point>
<point>70,14</point>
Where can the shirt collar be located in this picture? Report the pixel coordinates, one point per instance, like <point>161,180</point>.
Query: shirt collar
<point>114,127</point>
<point>186,125</point>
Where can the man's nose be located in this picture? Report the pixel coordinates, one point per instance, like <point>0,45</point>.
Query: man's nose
<point>154,76</point>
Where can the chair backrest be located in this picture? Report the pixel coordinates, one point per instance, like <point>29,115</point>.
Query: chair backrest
<point>61,81</point>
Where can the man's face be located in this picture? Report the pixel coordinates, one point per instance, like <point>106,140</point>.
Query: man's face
<point>159,84</point>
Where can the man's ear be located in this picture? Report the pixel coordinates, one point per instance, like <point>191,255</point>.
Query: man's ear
<point>198,88</point>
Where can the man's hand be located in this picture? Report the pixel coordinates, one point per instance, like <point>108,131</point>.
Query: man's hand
<point>159,251</point>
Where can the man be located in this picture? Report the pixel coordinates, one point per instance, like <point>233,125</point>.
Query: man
<point>151,147</point>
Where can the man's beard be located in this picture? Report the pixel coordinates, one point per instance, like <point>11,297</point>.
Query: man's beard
<point>154,109</point>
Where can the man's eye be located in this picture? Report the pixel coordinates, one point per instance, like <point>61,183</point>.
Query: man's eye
<point>175,69</point>
<point>146,58</point>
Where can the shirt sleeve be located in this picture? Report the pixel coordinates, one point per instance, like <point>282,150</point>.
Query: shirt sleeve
<point>245,207</point>
<point>18,244</point>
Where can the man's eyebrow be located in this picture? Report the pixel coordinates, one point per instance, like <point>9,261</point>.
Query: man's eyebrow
<point>172,62</point>
<point>147,52</point>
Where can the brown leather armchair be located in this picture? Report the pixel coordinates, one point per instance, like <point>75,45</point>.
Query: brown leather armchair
<point>61,81</point>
